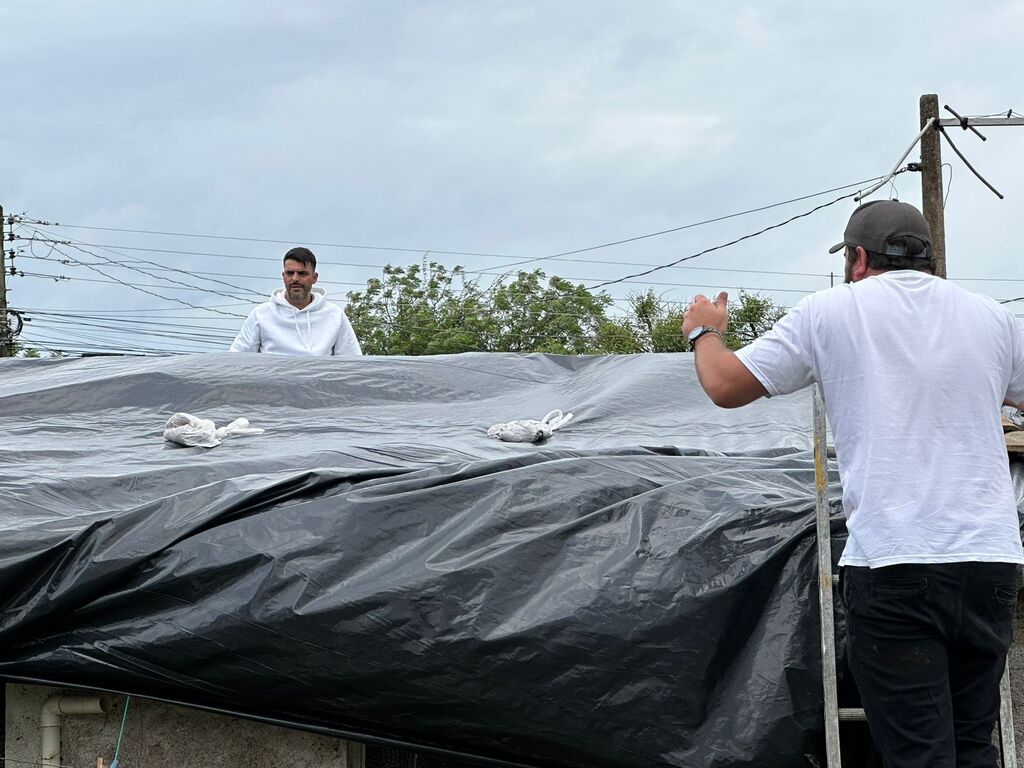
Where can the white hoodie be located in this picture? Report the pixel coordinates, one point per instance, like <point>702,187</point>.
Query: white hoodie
<point>277,327</point>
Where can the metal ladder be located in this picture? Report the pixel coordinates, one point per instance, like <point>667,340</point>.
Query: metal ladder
<point>833,713</point>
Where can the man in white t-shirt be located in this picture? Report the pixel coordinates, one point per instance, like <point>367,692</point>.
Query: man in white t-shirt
<point>297,320</point>
<point>913,370</point>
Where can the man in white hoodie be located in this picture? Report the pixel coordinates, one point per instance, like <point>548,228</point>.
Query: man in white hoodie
<point>297,320</point>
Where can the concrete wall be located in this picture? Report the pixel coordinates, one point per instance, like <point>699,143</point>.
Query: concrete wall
<point>164,736</point>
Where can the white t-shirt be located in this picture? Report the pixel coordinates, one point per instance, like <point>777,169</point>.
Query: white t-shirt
<point>913,370</point>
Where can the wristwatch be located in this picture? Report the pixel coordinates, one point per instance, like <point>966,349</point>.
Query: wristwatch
<point>700,330</point>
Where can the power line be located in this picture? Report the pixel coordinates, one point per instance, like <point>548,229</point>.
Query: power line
<point>397,249</point>
<point>126,321</point>
<point>321,262</point>
<point>182,334</point>
<point>84,346</point>
<point>109,262</point>
<point>142,311</point>
<point>140,287</point>
<point>353,265</point>
<point>752,289</point>
<point>151,293</point>
<point>696,224</point>
<point>627,278</point>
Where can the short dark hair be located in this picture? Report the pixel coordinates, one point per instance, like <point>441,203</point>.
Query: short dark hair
<point>302,255</point>
<point>916,255</point>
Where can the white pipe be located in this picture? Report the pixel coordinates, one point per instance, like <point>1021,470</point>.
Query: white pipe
<point>56,707</point>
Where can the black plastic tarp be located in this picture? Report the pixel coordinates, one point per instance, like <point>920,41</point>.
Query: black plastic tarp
<point>638,591</point>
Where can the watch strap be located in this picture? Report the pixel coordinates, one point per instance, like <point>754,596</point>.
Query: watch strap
<point>705,331</point>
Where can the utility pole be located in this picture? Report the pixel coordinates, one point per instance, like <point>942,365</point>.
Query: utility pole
<point>931,181</point>
<point>6,335</point>
<point>931,164</point>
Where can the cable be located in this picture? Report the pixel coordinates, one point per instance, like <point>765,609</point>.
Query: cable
<point>627,278</point>
<point>79,246</point>
<point>129,321</point>
<point>120,736</point>
<point>247,301</point>
<point>970,167</point>
<point>41,222</point>
<point>59,346</point>
<point>726,270</point>
<point>688,226</point>
<point>140,287</point>
<point>569,279</point>
<point>84,335</point>
<point>151,293</point>
<point>321,262</point>
<point>172,333</point>
<point>895,169</point>
<point>138,311</point>
<point>108,262</point>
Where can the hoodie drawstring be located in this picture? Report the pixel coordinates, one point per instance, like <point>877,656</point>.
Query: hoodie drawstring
<point>307,343</point>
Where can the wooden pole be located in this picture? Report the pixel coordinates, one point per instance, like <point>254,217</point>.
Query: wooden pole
<point>931,182</point>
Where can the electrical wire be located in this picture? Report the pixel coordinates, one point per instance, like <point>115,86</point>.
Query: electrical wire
<point>172,333</point>
<point>758,209</point>
<point>949,186</point>
<point>628,278</point>
<point>352,265</point>
<point>686,226</point>
<point>140,287</point>
<point>103,336</point>
<point>108,262</point>
<point>162,267</point>
<point>751,289</point>
<point>151,293</point>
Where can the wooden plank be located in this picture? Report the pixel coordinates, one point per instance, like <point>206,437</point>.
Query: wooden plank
<point>1014,442</point>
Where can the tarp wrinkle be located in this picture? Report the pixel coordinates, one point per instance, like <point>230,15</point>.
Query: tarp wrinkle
<point>637,591</point>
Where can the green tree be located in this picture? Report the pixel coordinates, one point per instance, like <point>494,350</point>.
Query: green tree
<point>558,317</point>
<point>751,317</point>
<point>428,309</point>
<point>657,324</point>
<point>654,325</point>
<point>419,310</point>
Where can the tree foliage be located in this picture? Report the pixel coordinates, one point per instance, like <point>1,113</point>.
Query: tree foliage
<point>752,316</point>
<point>429,309</point>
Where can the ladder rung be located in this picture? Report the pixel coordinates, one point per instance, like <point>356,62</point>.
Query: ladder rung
<point>851,713</point>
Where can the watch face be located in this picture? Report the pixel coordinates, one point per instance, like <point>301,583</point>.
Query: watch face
<point>695,333</point>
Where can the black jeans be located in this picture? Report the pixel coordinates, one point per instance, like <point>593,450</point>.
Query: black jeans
<point>927,646</point>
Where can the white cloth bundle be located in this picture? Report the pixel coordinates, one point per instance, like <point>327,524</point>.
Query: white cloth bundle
<point>1015,415</point>
<point>186,429</point>
<point>529,430</point>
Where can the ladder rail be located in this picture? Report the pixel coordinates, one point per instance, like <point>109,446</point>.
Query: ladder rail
<point>824,541</point>
<point>1007,744</point>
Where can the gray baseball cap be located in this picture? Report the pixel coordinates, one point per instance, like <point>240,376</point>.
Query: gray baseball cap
<point>873,224</point>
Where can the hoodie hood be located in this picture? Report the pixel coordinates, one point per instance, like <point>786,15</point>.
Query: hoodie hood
<point>319,296</point>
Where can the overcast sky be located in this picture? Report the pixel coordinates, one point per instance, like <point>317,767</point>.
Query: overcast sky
<point>517,129</point>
